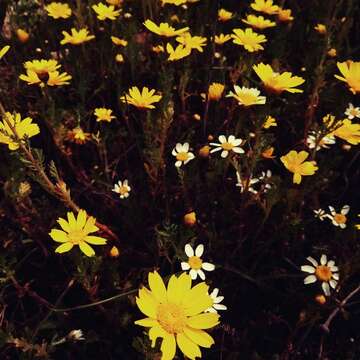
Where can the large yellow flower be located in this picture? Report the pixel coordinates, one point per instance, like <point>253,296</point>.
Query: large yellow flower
<point>249,39</point>
<point>176,314</point>
<point>23,128</point>
<point>276,82</point>
<point>75,231</point>
<point>265,6</point>
<point>258,22</point>
<point>104,12</point>
<point>164,29</point>
<point>42,66</point>
<point>143,99</point>
<point>58,10</point>
<point>76,37</point>
<point>192,42</point>
<point>295,162</point>
<point>351,74</point>
<point>4,50</point>
<point>348,131</point>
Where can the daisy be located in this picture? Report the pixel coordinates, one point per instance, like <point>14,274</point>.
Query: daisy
<point>182,154</point>
<point>122,188</point>
<point>339,219</point>
<point>247,96</point>
<point>216,302</point>
<point>312,141</point>
<point>227,145</point>
<point>194,263</point>
<point>326,272</point>
<point>246,182</point>
<point>352,111</point>
<point>320,214</point>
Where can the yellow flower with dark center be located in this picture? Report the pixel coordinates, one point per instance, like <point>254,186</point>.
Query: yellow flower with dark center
<point>164,29</point>
<point>143,99</point>
<point>192,42</point>
<point>58,10</point>
<point>350,71</point>
<point>269,121</point>
<point>249,39</point>
<point>76,37</point>
<point>284,15</point>
<point>247,96</point>
<point>4,50</point>
<point>178,53</point>
<point>75,231</point>
<point>118,41</point>
<point>295,162</point>
<point>258,22</point>
<point>103,114</point>
<point>22,35</point>
<point>176,314</point>
<point>224,15</point>
<point>221,39</point>
<point>105,12</point>
<point>321,29</point>
<point>265,6</point>
<point>24,128</point>
<point>276,82</point>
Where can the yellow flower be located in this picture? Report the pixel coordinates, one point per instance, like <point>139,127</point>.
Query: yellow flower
<point>284,15</point>
<point>351,74</point>
<point>178,53</point>
<point>277,82</point>
<point>57,79</point>
<point>76,37</point>
<point>78,135</point>
<point>176,314</point>
<point>249,39</point>
<point>119,58</point>
<point>23,128</point>
<point>3,51</point>
<point>215,91</point>
<point>332,52</point>
<point>247,96</point>
<point>114,252</point>
<point>143,99</point>
<point>295,162</point>
<point>103,114</point>
<point>164,29</point>
<point>269,121</point>
<point>104,12</point>
<point>58,10</point>
<point>348,131</point>
<point>190,218</point>
<point>358,225</point>
<point>158,49</point>
<point>75,231</point>
<point>265,6</point>
<point>41,67</point>
<point>22,35</point>
<point>118,41</point>
<point>173,2</point>
<point>258,22</point>
<point>115,2</point>
<point>192,42</point>
<point>320,28</point>
<point>224,15</point>
<point>221,39</point>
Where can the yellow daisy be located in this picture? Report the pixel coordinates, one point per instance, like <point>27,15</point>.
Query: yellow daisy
<point>284,15</point>
<point>105,12</point>
<point>221,39</point>
<point>58,10</point>
<point>258,22</point>
<point>143,99</point>
<point>76,37</point>
<point>164,29</point>
<point>103,114</point>
<point>247,96</point>
<point>249,39</point>
<point>192,42</point>
<point>224,15</point>
<point>265,6</point>
<point>177,53</point>
<point>119,42</point>
<point>351,74</point>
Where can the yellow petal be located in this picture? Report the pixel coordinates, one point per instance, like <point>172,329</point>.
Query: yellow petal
<point>95,240</point>
<point>59,235</point>
<point>86,249</point>
<point>189,348</point>
<point>199,337</point>
<point>156,332</point>
<point>203,321</point>
<point>81,218</point>
<point>147,322</point>
<point>198,291</point>
<point>147,303</point>
<point>157,286</point>
<point>64,247</point>
<point>168,347</point>
<point>64,224</point>
<point>297,178</point>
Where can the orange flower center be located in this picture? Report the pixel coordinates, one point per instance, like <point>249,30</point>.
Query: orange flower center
<point>195,262</point>
<point>76,236</point>
<point>123,190</point>
<point>227,146</point>
<point>354,112</point>
<point>340,218</point>
<point>323,273</point>
<point>171,317</point>
<point>182,156</point>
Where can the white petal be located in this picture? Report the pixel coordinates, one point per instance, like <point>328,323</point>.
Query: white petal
<point>222,139</point>
<point>335,276</point>
<point>312,260</point>
<point>211,310</point>
<point>185,147</point>
<point>334,268</point>
<point>208,267</point>
<point>174,152</point>
<point>237,142</point>
<point>332,210</point>
<point>218,299</point>
<point>326,288</point>
<point>238,150</point>
<point>193,274</point>
<point>310,279</point>
<point>185,266</point>
<point>345,209</point>
<point>224,154</point>
<point>201,274</point>
<point>189,250</point>
<point>199,250</point>
<point>231,139</point>
<point>323,259</point>
<point>219,307</point>
<point>178,147</point>
<point>215,150</point>
<point>178,163</point>
<point>342,226</point>
<point>331,263</point>
<point>308,268</point>
<point>333,283</point>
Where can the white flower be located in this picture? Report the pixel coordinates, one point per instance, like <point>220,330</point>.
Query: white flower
<point>75,335</point>
<point>242,183</point>
<point>265,176</point>
<point>352,112</point>
<point>122,188</point>
<point>324,142</point>
<point>320,214</point>
<point>339,219</point>
<point>182,154</point>
<point>226,145</point>
<point>216,302</point>
<point>194,263</point>
<point>325,272</point>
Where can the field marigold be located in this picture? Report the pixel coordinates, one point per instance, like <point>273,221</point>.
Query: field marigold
<point>247,96</point>
<point>118,41</point>
<point>24,128</point>
<point>222,39</point>
<point>276,82</point>
<point>58,10</point>
<point>295,162</point>
<point>177,53</point>
<point>224,15</point>
<point>176,314</point>
<point>75,231</point>
<point>249,39</point>
<point>215,91</point>
<point>76,37</point>
<point>350,71</point>
<point>143,99</point>
<point>258,22</point>
<point>192,42</point>
<point>348,131</point>
<point>103,114</point>
<point>104,12</point>
<point>164,29</point>
<point>265,6</point>
<point>284,15</point>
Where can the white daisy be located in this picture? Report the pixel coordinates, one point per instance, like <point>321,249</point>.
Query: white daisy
<point>320,214</point>
<point>352,111</point>
<point>194,263</point>
<point>216,302</point>
<point>243,183</point>
<point>339,219</point>
<point>247,96</point>
<point>182,154</point>
<point>122,188</point>
<point>227,145</point>
<point>325,272</point>
<point>324,142</point>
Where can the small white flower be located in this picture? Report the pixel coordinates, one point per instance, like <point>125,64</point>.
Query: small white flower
<point>325,272</point>
<point>182,154</point>
<point>122,188</point>
<point>339,219</point>
<point>242,183</point>
<point>216,302</point>
<point>320,214</point>
<point>265,176</point>
<point>324,142</point>
<point>194,263</point>
<point>352,112</point>
<point>227,145</point>
<point>75,335</point>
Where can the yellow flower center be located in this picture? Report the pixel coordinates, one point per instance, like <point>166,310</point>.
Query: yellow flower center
<point>340,218</point>
<point>354,112</point>
<point>76,236</point>
<point>123,190</point>
<point>182,156</point>
<point>323,273</point>
<point>227,146</point>
<point>195,262</point>
<point>171,317</point>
